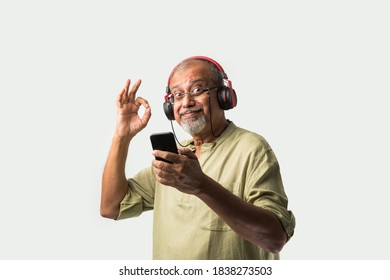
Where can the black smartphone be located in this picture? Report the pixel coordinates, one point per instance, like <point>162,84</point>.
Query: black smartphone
<point>165,142</point>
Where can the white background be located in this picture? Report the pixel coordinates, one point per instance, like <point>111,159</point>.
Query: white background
<point>311,76</point>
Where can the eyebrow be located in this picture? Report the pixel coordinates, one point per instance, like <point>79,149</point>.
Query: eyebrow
<point>191,82</point>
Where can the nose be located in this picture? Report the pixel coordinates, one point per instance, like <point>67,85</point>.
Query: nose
<point>187,101</point>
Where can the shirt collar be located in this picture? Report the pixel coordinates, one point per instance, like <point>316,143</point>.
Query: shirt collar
<point>220,139</point>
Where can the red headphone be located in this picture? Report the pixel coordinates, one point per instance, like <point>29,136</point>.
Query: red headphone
<point>226,95</point>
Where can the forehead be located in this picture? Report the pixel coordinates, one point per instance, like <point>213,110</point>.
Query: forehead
<point>190,72</point>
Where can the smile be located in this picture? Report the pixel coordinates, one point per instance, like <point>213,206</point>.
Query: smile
<point>190,113</point>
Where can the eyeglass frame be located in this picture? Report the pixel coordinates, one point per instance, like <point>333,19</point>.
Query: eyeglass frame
<point>171,97</point>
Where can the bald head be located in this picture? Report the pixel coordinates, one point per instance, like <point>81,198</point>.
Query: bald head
<point>215,74</point>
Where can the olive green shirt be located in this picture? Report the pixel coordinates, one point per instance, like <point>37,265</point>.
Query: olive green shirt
<point>184,227</point>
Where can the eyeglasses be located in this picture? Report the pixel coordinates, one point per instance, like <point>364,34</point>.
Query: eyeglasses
<point>195,94</point>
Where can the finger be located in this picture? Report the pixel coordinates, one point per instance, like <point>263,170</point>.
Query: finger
<point>163,176</point>
<point>141,101</point>
<point>122,94</point>
<point>174,158</point>
<point>161,168</point>
<point>188,153</point>
<point>168,156</point>
<point>127,84</point>
<point>131,94</point>
<point>148,111</point>
<point>164,181</point>
<point>120,99</point>
<point>125,97</point>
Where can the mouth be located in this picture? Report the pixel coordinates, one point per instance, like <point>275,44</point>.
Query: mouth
<point>189,113</point>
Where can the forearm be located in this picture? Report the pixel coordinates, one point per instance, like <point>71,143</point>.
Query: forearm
<point>253,223</point>
<point>114,182</point>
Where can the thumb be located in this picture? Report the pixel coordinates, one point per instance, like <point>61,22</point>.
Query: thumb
<point>188,153</point>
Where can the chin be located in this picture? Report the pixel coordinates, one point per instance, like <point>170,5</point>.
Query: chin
<point>193,125</point>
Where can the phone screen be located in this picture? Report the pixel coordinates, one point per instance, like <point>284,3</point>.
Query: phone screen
<point>165,142</point>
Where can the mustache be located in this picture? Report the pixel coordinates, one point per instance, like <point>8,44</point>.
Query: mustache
<point>191,110</point>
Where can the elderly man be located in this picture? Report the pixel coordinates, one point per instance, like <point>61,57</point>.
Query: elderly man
<point>222,196</point>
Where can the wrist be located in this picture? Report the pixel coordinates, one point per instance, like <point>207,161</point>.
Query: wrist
<point>122,139</point>
<point>204,186</point>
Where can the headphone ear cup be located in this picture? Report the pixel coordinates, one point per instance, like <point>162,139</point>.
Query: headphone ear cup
<point>227,98</point>
<point>168,110</point>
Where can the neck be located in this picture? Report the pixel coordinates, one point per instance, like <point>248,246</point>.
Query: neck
<point>210,133</point>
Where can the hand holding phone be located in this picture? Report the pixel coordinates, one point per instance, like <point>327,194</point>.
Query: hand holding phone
<point>165,142</point>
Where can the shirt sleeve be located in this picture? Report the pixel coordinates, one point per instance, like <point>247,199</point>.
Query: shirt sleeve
<point>139,196</point>
<point>266,189</point>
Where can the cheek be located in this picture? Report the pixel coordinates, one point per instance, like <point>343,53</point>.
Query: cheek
<point>176,109</point>
<point>211,105</point>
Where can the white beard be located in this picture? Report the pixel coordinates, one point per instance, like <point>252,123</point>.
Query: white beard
<point>194,125</point>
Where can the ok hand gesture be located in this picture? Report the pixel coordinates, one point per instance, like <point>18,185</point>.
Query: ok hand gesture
<point>129,123</point>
